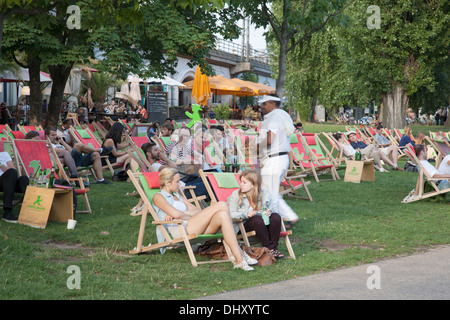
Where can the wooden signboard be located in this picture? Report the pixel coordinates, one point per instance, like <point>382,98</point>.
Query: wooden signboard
<point>157,106</point>
<point>358,171</point>
<point>42,204</point>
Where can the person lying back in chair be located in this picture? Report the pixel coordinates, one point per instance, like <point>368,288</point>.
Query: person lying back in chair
<point>369,151</point>
<point>154,155</point>
<point>386,147</point>
<point>169,205</point>
<point>443,172</point>
<point>79,155</point>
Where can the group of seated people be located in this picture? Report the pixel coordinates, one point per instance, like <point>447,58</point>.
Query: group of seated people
<point>71,154</point>
<point>184,156</point>
<point>442,172</point>
<point>378,153</point>
<point>246,203</point>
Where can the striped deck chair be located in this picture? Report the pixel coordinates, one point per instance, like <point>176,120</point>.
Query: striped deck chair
<point>5,132</point>
<point>94,130</point>
<point>162,142</point>
<point>399,133</point>
<point>305,159</point>
<point>17,134</point>
<point>220,186</point>
<point>246,157</point>
<point>147,185</point>
<point>100,129</point>
<point>359,134</point>
<point>426,185</point>
<point>320,160</point>
<point>26,129</point>
<point>34,158</point>
<point>336,151</point>
<point>6,146</point>
<point>442,148</point>
<point>86,137</point>
<point>137,154</point>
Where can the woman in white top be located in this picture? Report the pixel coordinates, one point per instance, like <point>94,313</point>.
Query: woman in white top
<point>169,205</point>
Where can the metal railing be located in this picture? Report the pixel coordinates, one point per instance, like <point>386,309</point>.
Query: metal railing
<point>241,51</point>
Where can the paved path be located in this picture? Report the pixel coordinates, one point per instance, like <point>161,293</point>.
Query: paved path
<point>424,276</point>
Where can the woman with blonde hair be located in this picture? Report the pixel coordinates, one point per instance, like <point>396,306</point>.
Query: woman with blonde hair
<point>251,203</point>
<point>170,205</point>
<point>407,137</point>
<point>420,139</point>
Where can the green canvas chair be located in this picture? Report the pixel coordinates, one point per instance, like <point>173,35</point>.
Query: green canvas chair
<point>147,185</point>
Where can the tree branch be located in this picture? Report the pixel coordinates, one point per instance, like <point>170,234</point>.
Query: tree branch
<point>270,16</point>
<point>319,27</point>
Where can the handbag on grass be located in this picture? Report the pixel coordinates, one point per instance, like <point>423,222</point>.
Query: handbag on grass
<point>261,254</point>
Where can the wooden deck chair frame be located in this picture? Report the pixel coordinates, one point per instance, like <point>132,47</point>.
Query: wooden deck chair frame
<point>56,164</point>
<point>74,117</point>
<point>292,183</point>
<point>344,155</point>
<point>7,146</point>
<point>283,232</point>
<point>316,164</point>
<point>243,154</point>
<point>100,128</point>
<point>185,239</point>
<point>26,129</point>
<point>160,142</point>
<point>137,154</point>
<point>442,148</point>
<point>328,154</point>
<point>418,193</point>
<point>360,135</point>
<point>76,136</point>
<point>394,141</point>
<point>339,158</point>
<point>295,162</point>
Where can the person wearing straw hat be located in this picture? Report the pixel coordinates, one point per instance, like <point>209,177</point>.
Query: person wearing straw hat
<point>274,147</point>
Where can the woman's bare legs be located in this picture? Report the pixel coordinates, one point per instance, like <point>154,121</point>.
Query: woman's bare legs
<point>211,220</point>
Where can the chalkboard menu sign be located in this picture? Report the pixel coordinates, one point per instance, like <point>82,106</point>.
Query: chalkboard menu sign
<point>157,106</point>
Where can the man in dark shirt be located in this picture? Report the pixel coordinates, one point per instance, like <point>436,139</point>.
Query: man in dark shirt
<point>368,151</point>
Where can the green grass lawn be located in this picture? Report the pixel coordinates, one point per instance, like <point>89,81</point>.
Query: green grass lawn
<point>347,224</point>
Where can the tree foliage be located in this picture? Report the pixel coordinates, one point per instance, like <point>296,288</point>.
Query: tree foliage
<point>355,63</point>
<point>291,22</point>
<point>130,36</point>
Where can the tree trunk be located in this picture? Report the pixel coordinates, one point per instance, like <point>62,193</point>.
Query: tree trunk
<point>59,75</point>
<point>395,104</point>
<point>313,110</point>
<point>35,99</point>
<point>282,60</point>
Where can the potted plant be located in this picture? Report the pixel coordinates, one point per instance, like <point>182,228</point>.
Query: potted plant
<point>249,114</point>
<point>222,112</point>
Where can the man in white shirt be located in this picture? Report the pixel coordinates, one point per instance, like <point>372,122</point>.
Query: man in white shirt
<point>443,172</point>
<point>274,147</point>
<point>10,183</point>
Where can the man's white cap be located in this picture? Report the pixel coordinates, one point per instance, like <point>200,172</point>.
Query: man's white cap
<point>267,98</point>
<point>350,132</point>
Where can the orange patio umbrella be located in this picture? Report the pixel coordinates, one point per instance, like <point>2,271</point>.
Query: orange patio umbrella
<point>270,89</point>
<point>222,86</point>
<point>258,89</point>
<point>201,90</point>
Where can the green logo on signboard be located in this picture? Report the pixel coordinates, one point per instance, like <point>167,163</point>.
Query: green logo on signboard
<point>38,201</point>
